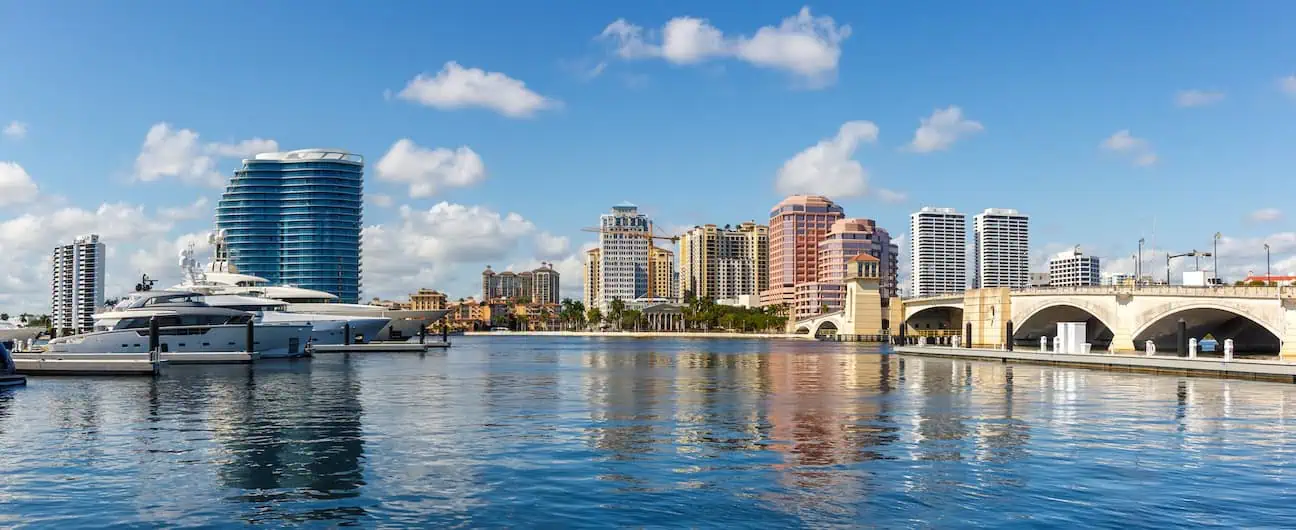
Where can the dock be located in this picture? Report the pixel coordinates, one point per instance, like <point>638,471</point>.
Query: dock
<point>1278,371</point>
<point>38,363</point>
<point>381,347</point>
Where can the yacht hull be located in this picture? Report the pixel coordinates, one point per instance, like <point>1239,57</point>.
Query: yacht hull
<point>189,345</point>
<point>332,329</point>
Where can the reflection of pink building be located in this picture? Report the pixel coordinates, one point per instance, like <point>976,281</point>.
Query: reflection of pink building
<point>846,238</point>
<point>797,224</point>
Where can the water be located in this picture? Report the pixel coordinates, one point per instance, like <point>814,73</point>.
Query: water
<point>567,433</point>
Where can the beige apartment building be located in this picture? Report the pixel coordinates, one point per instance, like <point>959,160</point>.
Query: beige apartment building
<point>725,263</point>
<point>661,263</point>
<point>593,276</point>
<point>427,300</point>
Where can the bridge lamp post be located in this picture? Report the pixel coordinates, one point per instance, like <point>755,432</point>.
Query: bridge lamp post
<point>1138,268</point>
<point>1268,272</point>
<point>1215,251</point>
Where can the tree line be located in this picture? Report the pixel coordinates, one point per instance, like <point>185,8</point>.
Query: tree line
<point>699,314</point>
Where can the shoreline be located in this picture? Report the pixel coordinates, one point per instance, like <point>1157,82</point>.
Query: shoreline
<point>641,334</point>
<point>1275,371</point>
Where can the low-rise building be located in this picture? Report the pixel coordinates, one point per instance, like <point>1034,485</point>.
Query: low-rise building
<point>427,300</point>
<point>1071,268</point>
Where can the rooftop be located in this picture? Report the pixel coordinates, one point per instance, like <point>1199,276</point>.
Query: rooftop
<point>312,154</point>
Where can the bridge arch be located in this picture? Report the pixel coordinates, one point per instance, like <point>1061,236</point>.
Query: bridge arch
<point>827,325</point>
<point>1251,332</point>
<point>803,330</point>
<point>1041,320</point>
<point>935,317</point>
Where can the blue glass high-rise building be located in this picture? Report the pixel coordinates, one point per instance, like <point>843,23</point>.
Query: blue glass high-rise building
<point>294,218</point>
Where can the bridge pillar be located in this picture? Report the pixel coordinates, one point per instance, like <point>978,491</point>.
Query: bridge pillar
<point>1288,350</point>
<point>1123,325</point>
<point>986,311</point>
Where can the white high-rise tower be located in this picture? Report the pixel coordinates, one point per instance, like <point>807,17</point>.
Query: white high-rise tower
<point>937,251</point>
<point>77,284</point>
<point>623,271</point>
<point>1002,248</point>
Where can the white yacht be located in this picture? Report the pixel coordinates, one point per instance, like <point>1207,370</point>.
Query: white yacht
<point>225,287</point>
<point>366,322</point>
<point>186,324</point>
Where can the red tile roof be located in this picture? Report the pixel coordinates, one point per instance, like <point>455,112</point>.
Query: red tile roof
<point>863,257</point>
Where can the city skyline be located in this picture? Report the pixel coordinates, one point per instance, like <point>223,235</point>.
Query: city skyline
<point>1137,136</point>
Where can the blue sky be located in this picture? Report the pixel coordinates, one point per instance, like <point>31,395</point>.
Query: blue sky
<point>695,126</point>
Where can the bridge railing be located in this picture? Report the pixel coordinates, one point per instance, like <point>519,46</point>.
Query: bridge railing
<point>1230,291</point>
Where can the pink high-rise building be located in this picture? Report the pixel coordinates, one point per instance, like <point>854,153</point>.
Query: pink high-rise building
<point>846,239</point>
<point>796,226</point>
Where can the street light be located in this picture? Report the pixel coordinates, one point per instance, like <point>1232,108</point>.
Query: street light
<point>1138,269</point>
<point>1268,272</point>
<point>1215,250</point>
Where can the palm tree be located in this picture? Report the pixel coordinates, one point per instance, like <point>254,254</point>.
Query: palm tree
<point>616,310</point>
<point>594,316</point>
<point>632,318</point>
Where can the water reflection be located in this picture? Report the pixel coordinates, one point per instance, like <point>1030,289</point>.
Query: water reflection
<point>577,433</point>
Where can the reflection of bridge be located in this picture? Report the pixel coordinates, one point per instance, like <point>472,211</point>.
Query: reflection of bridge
<point>1258,319</point>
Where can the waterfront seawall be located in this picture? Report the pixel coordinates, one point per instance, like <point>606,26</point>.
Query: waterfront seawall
<point>1278,371</point>
<point>640,334</point>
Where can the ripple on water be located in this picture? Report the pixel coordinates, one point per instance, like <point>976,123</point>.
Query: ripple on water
<point>504,432</point>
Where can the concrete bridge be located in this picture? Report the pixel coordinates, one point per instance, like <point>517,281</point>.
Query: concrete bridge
<point>1119,319</point>
<point>823,325</point>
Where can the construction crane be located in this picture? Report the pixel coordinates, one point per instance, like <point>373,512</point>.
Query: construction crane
<point>649,235</point>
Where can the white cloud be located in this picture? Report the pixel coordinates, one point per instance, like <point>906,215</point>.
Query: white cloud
<point>1137,149</point>
<point>16,186</point>
<point>27,239</point>
<point>1265,215</point>
<point>1288,84</point>
<point>244,149</point>
<point>828,167</point>
<point>425,170</point>
<point>160,261</point>
<point>940,130</point>
<point>444,246</point>
<point>891,196</point>
<point>1197,98</point>
<point>181,213</point>
<point>381,200</point>
<point>169,152</point>
<point>1238,257</point>
<point>549,246</point>
<point>804,45</point>
<point>15,130</point>
<point>456,87</point>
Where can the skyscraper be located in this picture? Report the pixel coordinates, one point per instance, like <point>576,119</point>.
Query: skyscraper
<point>295,218</point>
<point>1072,268</point>
<point>593,276</point>
<point>797,224</point>
<point>846,239</point>
<point>937,251</point>
<point>665,282</point>
<point>1002,239</point>
<point>545,288</point>
<point>623,272</point>
<point>724,263</point>
<point>77,284</point>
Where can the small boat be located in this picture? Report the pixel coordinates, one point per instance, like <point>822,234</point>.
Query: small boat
<point>8,370</point>
<point>186,325</point>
